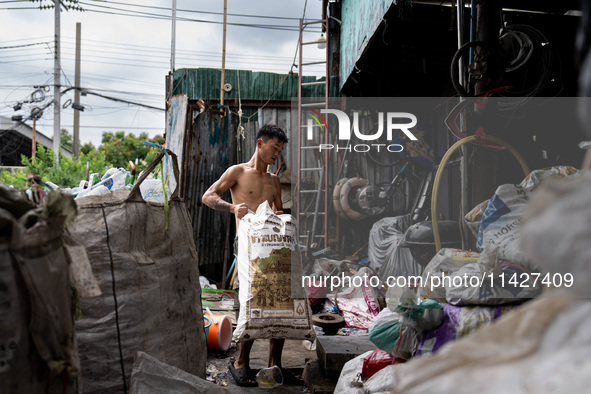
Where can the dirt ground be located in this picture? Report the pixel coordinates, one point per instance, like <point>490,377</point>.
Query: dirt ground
<point>294,358</point>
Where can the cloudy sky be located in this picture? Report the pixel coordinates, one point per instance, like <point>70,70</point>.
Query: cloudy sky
<point>126,54</point>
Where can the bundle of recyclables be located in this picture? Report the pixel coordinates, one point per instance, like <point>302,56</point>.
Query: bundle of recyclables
<point>143,255</point>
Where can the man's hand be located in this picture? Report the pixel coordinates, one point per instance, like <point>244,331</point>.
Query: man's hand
<point>278,212</point>
<point>240,210</point>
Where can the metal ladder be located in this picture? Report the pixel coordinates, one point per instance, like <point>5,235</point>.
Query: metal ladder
<point>311,163</point>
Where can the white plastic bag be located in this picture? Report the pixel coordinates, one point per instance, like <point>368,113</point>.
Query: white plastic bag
<point>350,377</point>
<point>557,234</point>
<point>489,281</point>
<point>152,190</point>
<point>152,376</point>
<point>501,221</point>
<point>502,218</point>
<point>474,217</point>
<point>445,262</point>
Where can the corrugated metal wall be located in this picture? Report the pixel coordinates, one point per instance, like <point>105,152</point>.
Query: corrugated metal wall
<point>209,151</point>
<point>210,148</point>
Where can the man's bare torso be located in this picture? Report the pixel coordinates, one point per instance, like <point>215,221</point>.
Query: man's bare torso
<point>253,188</point>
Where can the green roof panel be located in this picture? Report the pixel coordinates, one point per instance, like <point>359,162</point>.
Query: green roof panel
<point>204,83</point>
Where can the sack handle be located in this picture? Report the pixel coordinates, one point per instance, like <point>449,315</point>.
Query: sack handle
<point>136,194</point>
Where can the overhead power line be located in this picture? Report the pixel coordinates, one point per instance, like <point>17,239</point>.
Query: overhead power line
<point>202,12</point>
<point>133,13</point>
<point>26,45</point>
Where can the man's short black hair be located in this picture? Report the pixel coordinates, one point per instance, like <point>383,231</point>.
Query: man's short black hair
<point>269,131</point>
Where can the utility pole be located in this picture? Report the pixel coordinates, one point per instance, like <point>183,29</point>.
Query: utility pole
<point>223,54</point>
<point>56,85</point>
<point>76,142</point>
<point>172,50</point>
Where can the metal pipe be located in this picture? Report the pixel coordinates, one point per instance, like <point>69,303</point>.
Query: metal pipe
<point>460,27</point>
<point>317,206</point>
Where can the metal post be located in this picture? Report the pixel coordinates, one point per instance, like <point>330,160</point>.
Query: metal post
<point>326,133</point>
<point>465,195</point>
<point>223,54</point>
<point>460,24</point>
<point>299,131</point>
<point>76,137</point>
<point>56,86</point>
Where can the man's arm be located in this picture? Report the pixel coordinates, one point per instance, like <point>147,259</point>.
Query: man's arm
<point>277,202</point>
<point>212,198</point>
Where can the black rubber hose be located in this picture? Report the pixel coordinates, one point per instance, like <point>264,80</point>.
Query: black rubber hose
<point>454,69</point>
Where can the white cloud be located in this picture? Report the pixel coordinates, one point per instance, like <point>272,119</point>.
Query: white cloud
<point>128,57</point>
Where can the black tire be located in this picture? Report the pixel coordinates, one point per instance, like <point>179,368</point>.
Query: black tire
<point>329,322</point>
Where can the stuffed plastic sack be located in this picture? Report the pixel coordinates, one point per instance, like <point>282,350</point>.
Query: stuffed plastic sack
<point>268,259</point>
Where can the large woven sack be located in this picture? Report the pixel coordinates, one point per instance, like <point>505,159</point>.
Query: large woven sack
<point>37,341</point>
<point>149,277</point>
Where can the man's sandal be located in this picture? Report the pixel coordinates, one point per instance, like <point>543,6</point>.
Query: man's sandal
<point>243,376</point>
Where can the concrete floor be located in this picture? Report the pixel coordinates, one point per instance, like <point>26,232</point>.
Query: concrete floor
<point>294,358</point>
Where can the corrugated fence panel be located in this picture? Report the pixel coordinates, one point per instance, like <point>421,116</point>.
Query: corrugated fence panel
<point>209,151</point>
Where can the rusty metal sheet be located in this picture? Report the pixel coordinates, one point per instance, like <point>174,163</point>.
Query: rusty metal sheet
<point>209,151</point>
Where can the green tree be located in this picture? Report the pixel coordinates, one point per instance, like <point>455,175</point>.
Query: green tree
<point>116,149</point>
<point>66,140</point>
<point>69,173</point>
<point>87,148</point>
<point>120,148</point>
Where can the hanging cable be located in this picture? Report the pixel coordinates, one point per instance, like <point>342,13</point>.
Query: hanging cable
<point>240,133</point>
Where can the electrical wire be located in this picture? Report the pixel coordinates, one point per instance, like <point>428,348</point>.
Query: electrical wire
<point>25,45</point>
<point>287,76</point>
<point>200,56</point>
<point>202,12</point>
<point>184,19</point>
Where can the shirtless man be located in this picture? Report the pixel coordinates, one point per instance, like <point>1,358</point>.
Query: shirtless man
<point>250,184</point>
